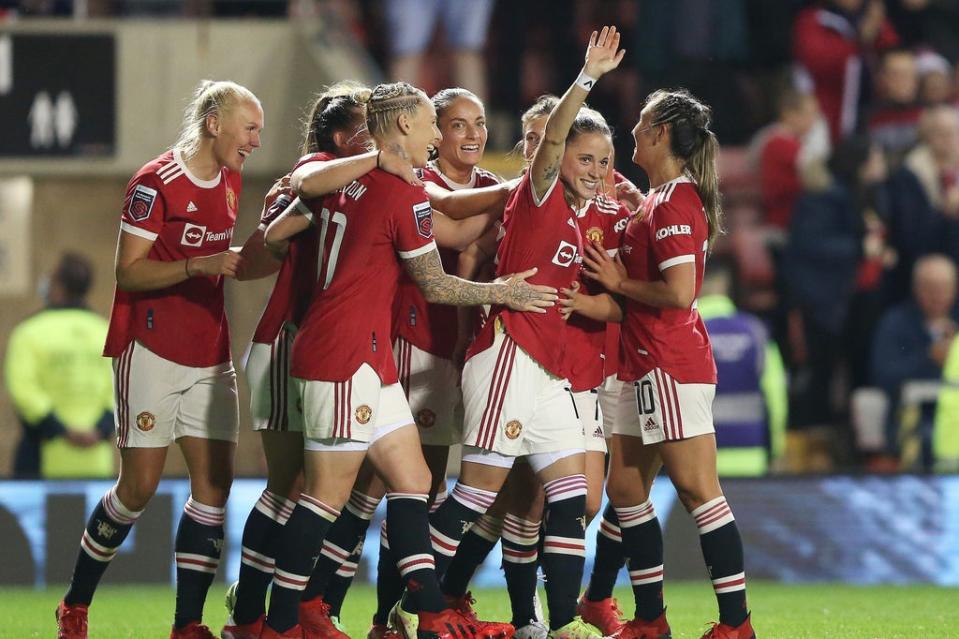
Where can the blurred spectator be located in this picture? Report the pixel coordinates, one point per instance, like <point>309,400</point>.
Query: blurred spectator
<point>411,23</point>
<point>832,42</point>
<point>931,23</point>
<point>945,435</point>
<point>824,253</point>
<point>935,79</point>
<point>924,199</point>
<point>893,121</point>
<point>751,405</point>
<point>59,382</point>
<point>914,337</point>
<point>779,157</point>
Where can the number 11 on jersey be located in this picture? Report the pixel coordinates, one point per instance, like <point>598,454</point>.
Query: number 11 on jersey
<point>340,221</point>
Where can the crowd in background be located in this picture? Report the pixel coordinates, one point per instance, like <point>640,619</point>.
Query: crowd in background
<point>839,122</point>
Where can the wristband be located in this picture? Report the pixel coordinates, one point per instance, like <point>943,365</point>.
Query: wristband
<point>584,81</point>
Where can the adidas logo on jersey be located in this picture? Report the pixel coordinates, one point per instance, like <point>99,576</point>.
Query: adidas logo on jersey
<point>191,207</point>
<point>650,424</point>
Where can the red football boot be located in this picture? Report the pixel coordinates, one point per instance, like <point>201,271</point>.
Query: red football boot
<point>463,605</point>
<point>244,631</point>
<point>658,628</point>
<point>71,621</point>
<point>296,632</point>
<point>193,630</point>
<point>382,631</point>
<point>722,631</point>
<point>604,614</point>
<point>452,624</point>
<point>316,622</point>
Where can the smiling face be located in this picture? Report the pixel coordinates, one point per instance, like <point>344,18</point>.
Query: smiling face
<point>236,133</point>
<point>422,133</point>
<point>585,164</point>
<point>532,135</point>
<point>463,126</point>
<point>646,139</point>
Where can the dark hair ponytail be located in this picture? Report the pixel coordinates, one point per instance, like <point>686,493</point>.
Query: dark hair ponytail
<point>695,144</point>
<point>339,108</point>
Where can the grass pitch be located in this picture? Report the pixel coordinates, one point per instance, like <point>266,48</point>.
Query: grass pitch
<point>823,611</point>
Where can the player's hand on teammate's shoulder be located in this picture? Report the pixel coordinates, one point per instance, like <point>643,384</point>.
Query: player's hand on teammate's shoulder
<point>393,159</point>
<point>520,295</point>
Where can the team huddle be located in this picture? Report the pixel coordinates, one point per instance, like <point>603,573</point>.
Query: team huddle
<point>547,323</point>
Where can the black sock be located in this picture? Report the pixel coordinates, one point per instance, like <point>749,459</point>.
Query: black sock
<point>643,538</point>
<point>409,537</point>
<point>341,541</point>
<point>295,557</point>
<point>389,583</point>
<point>723,552</point>
<point>564,546</point>
<point>609,557</point>
<point>340,582</point>
<point>260,535</point>
<point>472,551</point>
<point>106,529</point>
<point>199,541</point>
<point>450,521</point>
<point>520,560</point>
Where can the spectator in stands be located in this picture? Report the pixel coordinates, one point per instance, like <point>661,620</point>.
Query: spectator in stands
<point>411,24</point>
<point>893,121</point>
<point>780,156</point>
<point>924,199</point>
<point>824,252</point>
<point>935,79</point>
<point>831,44</point>
<point>914,337</point>
<point>751,405</point>
<point>60,384</point>
<point>945,435</point>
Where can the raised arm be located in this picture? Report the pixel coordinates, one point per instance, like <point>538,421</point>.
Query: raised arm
<point>314,179</point>
<point>439,288</point>
<point>602,55</point>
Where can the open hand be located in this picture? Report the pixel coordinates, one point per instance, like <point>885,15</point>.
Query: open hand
<point>523,296</point>
<point>603,53</point>
<point>394,160</point>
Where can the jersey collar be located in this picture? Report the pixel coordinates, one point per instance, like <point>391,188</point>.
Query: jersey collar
<point>203,184</point>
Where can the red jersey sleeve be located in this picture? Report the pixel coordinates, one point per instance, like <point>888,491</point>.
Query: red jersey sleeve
<point>412,224</point>
<point>144,210</point>
<point>673,240</point>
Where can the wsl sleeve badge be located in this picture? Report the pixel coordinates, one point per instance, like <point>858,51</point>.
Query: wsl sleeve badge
<point>423,215</point>
<point>141,202</point>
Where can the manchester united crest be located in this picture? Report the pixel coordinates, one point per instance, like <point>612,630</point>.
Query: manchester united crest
<point>146,421</point>
<point>363,414</point>
<point>231,199</point>
<point>425,418</point>
<point>513,429</point>
<point>594,234</point>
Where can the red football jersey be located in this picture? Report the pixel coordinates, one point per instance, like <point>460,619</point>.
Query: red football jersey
<point>432,327</point>
<point>603,220</point>
<point>183,216</point>
<point>671,230</point>
<point>365,232</point>
<point>294,283</point>
<point>543,234</point>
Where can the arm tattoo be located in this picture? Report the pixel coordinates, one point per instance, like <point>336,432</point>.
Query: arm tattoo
<point>440,288</point>
<point>551,172</point>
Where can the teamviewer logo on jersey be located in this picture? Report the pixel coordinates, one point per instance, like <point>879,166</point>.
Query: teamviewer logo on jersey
<point>193,235</point>
<point>565,254</point>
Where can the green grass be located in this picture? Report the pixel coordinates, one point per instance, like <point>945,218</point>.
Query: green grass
<point>823,611</point>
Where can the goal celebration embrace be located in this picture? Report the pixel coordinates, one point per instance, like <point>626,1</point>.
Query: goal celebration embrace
<point>546,326</point>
